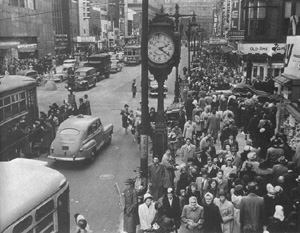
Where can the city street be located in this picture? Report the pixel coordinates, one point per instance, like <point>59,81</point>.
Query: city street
<point>92,187</point>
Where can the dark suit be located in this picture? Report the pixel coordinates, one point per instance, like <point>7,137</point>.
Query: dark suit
<point>252,213</point>
<point>172,211</point>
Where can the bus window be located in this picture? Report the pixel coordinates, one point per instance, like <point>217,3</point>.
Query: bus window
<point>63,216</point>
<point>46,224</point>
<point>44,210</point>
<point>23,225</point>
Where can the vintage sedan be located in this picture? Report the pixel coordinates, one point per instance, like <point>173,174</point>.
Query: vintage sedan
<point>80,138</point>
<point>153,89</point>
<point>59,77</point>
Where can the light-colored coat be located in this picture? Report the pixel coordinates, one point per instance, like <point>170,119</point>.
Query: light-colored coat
<point>146,215</point>
<point>227,214</point>
<point>187,152</point>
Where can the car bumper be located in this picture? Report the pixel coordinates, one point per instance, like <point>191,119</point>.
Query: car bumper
<point>70,159</point>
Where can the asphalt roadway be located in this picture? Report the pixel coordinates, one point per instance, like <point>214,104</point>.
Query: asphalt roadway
<point>93,187</point>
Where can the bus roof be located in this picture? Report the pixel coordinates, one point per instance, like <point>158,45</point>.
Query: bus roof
<point>132,47</point>
<point>84,69</point>
<point>25,183</point>
<point>11,82</point>
<point>99,55</point>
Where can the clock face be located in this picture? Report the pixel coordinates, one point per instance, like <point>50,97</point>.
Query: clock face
<point>160,48</point>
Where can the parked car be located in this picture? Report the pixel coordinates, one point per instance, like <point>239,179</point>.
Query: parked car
<point>80,138</point>
<point>70,63</point>
<point>116,66</point>
<point>30,73</point>
<point>153,89</point>
<point>58,78</point>
<point>85,78</point>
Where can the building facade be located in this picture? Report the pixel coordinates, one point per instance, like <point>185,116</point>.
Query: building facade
<point>266,25</point>
<point>26,29</point>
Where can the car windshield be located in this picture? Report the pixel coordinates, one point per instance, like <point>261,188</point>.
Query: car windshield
<point>31,74</point>
<point>69,134</point>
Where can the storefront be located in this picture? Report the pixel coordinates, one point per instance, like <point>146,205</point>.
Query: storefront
<point>61,44</point>
<point>289,87</point>
<point>8,51</point>
<point>27,51</point>
<point>85,43</point>
<point>262,60</point>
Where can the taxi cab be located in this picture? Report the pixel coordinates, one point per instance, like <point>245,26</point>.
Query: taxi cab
<point>80,138</point>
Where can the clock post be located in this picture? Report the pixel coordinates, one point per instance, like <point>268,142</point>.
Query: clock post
<point>163,55</point>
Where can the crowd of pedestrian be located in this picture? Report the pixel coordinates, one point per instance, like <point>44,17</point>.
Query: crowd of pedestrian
<point>27,139</point>
<point>228,167</point>
<point>42,65</point>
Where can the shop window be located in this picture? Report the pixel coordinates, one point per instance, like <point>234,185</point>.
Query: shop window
<point>287,9</point>
<point>298,8</point>
<point>261,10</point>
<point>254,71</point>
<point>13,3</point>
<point>261,72</point>
<point>22,3</point>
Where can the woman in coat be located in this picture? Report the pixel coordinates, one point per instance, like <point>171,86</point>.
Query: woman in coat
<point>227,212</point>
<point>192,217</point>
<point>168,163</point>
<point>212,216</point>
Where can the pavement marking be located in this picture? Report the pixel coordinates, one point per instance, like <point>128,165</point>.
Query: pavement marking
<point>106,177</point>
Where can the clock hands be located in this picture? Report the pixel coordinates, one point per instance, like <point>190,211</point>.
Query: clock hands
<point>165,52</point>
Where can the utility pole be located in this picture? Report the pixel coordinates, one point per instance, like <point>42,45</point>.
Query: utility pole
<point>145,125</point>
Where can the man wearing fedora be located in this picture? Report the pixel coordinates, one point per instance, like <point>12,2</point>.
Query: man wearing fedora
<point>130,207</point>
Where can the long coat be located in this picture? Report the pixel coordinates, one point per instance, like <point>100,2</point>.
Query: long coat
<point>195,215</point>
<point>156,174</point>
<point>146,215</point>
<point>212,219</point>
<point>252,212</point>
<point>130,210</point>
<point>227,214</point>
<point>187,152</point>
<point>169,171</point>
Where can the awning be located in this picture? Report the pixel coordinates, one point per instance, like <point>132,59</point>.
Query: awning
<point>282,80</point>
<point>27,48</point>
<point>294,112</point>
<point>8,44</point>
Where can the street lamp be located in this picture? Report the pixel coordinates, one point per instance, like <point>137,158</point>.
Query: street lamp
<point>178,30</point>
<point>192,27</point>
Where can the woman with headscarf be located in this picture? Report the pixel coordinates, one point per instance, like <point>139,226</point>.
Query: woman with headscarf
<point>212,216</point>
<point>192,217</point>
<point>278,223</point>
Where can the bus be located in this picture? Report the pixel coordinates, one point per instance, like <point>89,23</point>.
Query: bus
<point>101,62</point>
<point>34,198</point>
<point>18,100</point>
<point>132,54</point>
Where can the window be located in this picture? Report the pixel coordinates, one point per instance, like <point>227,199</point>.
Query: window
<point>287,9</point>
<point>261,10</point>
<point>13,3</point>
<point>22,3</point>
<point>44,210</point>
<point>23,225</point>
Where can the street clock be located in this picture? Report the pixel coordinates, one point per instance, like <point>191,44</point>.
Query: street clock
<point>163,46</point>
